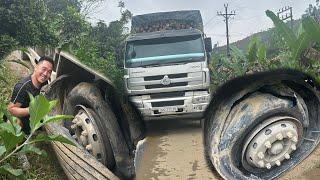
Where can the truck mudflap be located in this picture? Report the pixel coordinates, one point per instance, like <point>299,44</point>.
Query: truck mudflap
<point>275,112</point>
<point>76,162</point>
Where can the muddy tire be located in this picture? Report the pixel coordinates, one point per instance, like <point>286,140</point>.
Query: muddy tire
<point>95,127</point>
<point>261,131</point>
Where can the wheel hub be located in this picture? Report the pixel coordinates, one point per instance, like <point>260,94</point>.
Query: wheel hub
<point>86,134</point>
<point>276,148</point>
<point>272,142</point>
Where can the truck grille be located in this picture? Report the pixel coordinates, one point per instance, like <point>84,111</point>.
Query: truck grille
<point>166,86</point>
<point>171,76</point>
<point>167,103</point>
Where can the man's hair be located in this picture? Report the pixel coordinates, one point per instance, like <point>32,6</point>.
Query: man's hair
<point>46,58</point>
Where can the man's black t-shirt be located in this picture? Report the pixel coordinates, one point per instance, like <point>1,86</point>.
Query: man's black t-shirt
<point>20,95</point>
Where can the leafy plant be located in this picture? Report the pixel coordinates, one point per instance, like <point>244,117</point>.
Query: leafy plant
<point>13,140</point>
<point>307,38</point>
<point>240,63</point>
<point>308,33</point>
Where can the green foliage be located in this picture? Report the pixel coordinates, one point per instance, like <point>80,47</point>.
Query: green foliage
<point>44,137</point>
<point>7,44</point>
<point>252,50</point>
<point>296,44</point>
<point>313,10</point>
<point>308,36</point>
<point>101,47</point>
<point>8,169</point>
<point>12,139</point>
<point>110,38</point>
<point>88,53</point>
<point>223,68</point>
<point>28,148</point>
<point>25,21</point>
<point>283,29</point>
<point>6,84</point>
<point>41,23</point>
<point>257,51</point>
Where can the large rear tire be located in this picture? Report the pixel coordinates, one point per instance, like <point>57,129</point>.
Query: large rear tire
<point>260,135</point>
<point>95,127</point>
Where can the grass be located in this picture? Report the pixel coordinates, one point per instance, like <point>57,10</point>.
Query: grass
<point>45,167</point>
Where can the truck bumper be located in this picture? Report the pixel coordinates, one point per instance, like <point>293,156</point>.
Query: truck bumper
<point>191,105</point>
<point>196,115</point>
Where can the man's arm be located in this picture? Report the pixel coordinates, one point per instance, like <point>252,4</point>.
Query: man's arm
<point>16,110</point>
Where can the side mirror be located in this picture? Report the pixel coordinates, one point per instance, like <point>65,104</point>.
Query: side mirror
<point>208,44</point>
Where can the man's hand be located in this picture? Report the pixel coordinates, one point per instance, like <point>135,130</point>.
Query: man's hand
<point>16,110</point>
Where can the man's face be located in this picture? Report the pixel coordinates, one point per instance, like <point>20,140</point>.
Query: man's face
<point>43,71</point>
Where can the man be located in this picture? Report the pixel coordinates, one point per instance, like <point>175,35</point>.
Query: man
<point>19,104</point>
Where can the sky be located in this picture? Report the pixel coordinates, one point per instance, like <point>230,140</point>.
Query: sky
<point>250,15</point>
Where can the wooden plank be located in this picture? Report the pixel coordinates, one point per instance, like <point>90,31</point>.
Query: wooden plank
<point>67,169</point>
<point>75,167</point>
<point>78,157</point>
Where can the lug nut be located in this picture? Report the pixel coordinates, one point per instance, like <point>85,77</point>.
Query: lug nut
<point>293,147</point>
<point>278,163</point>
<point>260,155</point>
<point>295,139</point>
<point>261,164</point>
<point>78,123</point>
<point>267,144</point>
<point>279,136</point>
<point>83,140</point>
<point>287,156</point>
<point>78,117</point>
<point>89,147</point>
<point>75,120</point>
<point>84,133</point>
<point>290,135</point>
<point>268,166</point>
<point>73,126</point>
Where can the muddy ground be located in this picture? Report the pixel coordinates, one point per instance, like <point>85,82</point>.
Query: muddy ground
<point>173,150</point>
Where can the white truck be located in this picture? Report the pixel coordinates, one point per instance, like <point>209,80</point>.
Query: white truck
<point>166,65</point>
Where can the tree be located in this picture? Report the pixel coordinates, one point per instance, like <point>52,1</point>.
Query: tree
<point>24,23</point>
<point>110,38</point>
<point>313,10</point>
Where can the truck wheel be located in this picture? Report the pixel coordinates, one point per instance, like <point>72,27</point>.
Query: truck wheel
<point>96,126</point>
<point>87,128</point>
<point>262,136</point>
<point>88,132</point>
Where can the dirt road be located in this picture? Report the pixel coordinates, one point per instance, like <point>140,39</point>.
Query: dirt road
<point>173,150</point>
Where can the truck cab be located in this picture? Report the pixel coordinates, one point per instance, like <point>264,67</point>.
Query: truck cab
<point>166,72</point>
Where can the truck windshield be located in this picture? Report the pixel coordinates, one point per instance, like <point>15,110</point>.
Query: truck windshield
<point>151,52</point>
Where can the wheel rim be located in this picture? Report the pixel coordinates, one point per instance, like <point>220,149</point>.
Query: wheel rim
<point>272,142</point>
<point>87,133</point>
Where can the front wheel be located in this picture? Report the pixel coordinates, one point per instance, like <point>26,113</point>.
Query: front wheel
<point>259,136</point>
